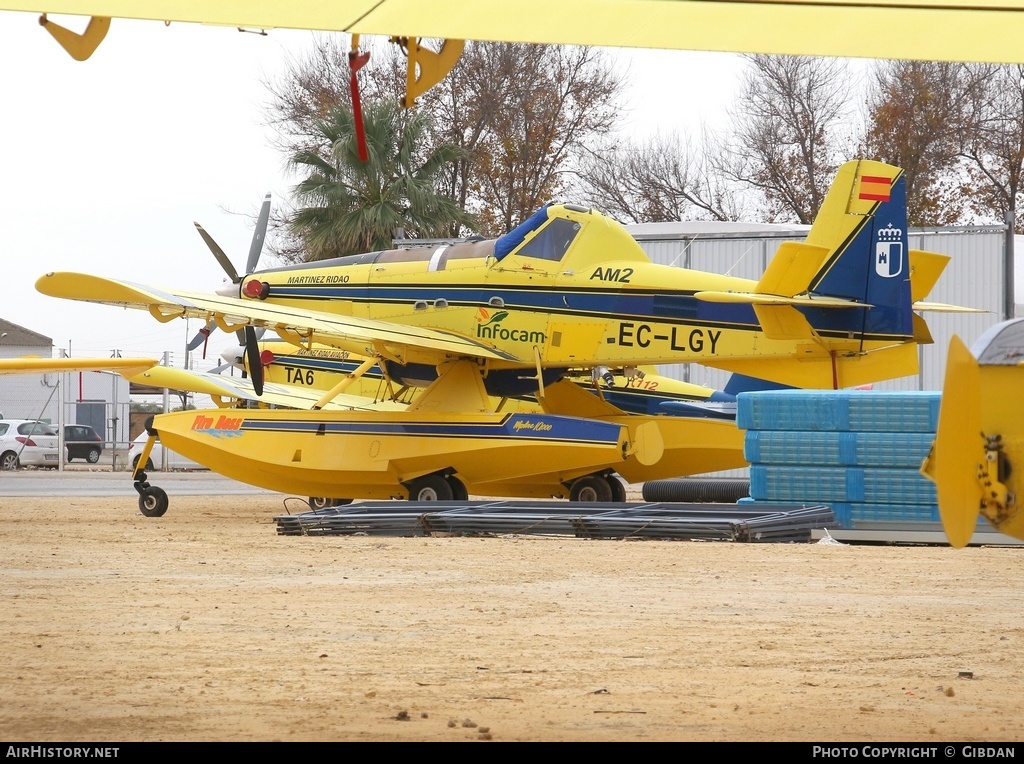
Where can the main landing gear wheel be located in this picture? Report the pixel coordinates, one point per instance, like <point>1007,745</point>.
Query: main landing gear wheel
<point>320,502</point>
<point>618,489</point>
<point>153,501</point>
<point>431,488</point>
<point>459,492</point>
<point>590,489</point>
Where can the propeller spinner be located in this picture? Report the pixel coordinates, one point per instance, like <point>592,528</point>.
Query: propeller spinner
<point>255,249</point>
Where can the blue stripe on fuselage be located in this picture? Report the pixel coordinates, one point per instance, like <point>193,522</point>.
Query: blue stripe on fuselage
<point>522,426</point>
<point>668,307</point>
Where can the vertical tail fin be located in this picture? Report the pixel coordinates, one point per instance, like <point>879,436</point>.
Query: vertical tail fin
<point>845,293</point>
<point>863,225</point>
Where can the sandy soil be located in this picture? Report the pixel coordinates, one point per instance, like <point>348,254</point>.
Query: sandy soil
<point>205,625</point>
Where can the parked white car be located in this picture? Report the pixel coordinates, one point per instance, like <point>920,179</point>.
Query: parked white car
<point>27,443</point>
<point>175,461</point>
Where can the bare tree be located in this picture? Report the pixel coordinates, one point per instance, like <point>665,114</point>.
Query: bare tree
<point>313,85</point>
<point>664,179</point>
<point>789,137</point>
<point>524,113</point>
<point>993,142</point>
<point>918,111</point>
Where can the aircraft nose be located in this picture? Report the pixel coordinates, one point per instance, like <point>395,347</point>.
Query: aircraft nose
<point>227,289</point>
<point>234,356</point>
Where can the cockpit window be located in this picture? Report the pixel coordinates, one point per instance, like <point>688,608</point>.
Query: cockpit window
<point>552,242</point>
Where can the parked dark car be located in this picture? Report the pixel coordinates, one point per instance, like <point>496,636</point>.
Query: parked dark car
<point>82,442</point>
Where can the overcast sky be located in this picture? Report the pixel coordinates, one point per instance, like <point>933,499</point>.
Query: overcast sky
<point>106,163</point>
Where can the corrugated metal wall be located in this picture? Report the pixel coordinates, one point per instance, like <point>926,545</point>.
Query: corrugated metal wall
<point>973,278</point>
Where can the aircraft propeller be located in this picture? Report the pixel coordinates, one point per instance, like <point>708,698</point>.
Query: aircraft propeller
<point>252,359</point>
<point>248,358</point>
<point>255,249</point>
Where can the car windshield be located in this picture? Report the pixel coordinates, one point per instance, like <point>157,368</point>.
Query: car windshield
<point>35,428</point>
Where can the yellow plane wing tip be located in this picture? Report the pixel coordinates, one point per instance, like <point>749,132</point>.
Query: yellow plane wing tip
<point>953,461</point>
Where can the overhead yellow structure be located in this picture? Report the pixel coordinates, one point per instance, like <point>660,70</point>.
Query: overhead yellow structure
<point>937,30</point>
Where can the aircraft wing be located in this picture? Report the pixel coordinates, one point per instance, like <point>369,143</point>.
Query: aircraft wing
<point>37,365</point>
<point>929,30</point>
<point>220,386</point>
<point>147,371</point>
<point>365,336</point>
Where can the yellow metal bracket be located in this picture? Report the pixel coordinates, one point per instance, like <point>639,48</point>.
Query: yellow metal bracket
<point>79,46</point>
<point>997,502</point>
<point>425,67</point>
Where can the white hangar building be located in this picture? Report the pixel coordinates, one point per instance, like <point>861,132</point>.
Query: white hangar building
<point>97,399</point>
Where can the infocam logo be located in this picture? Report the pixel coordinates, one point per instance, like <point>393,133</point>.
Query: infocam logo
<point>223,426</point>
<point>484,317</point>
<point>488,326</point>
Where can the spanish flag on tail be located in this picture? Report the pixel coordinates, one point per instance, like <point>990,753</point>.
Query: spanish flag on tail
<point>875,188</point>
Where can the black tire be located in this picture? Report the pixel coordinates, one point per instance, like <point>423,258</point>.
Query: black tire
<point>618,489</point>
<point>153,502</point>
<point>9,461</point>
<point>459,491</point>
<point>135,464</point>
<point>320,502</point>
<point>430,488</point>
<point>590,489</point>
<point>92,457</point>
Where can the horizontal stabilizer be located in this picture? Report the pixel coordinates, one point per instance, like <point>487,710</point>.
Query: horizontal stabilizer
<point>791,269</point>
<point>922,334</point>
<point>925,269</point>
<point>802,301</point>
<point>942,307</point>
<point>783,322</point>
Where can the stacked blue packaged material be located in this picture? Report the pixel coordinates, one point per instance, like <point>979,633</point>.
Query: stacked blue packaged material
<point>859,451</point>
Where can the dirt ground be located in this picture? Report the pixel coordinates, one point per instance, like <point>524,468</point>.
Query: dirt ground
<point>205,625</point>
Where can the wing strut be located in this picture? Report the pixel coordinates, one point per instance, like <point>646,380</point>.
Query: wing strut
<point>347,380</point>
<point>79,46</point>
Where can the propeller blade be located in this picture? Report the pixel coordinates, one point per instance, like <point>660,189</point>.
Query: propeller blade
<point>258,236</point>
<point>252,360</point>
<point>221,369</point>
<point>260,331</point>
<point>219,254</point>
<point>201,336</point>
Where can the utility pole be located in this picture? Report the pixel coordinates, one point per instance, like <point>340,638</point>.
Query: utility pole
<point>1009,297</point>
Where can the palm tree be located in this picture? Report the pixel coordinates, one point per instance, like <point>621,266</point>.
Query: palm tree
<point>347,206</point>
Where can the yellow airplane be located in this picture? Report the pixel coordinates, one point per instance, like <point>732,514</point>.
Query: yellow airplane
<point>567,292</point>
<point>318,369</point>
<point>979,444</point>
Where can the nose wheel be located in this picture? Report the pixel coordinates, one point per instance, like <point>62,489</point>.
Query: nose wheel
<point>152,500</point>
